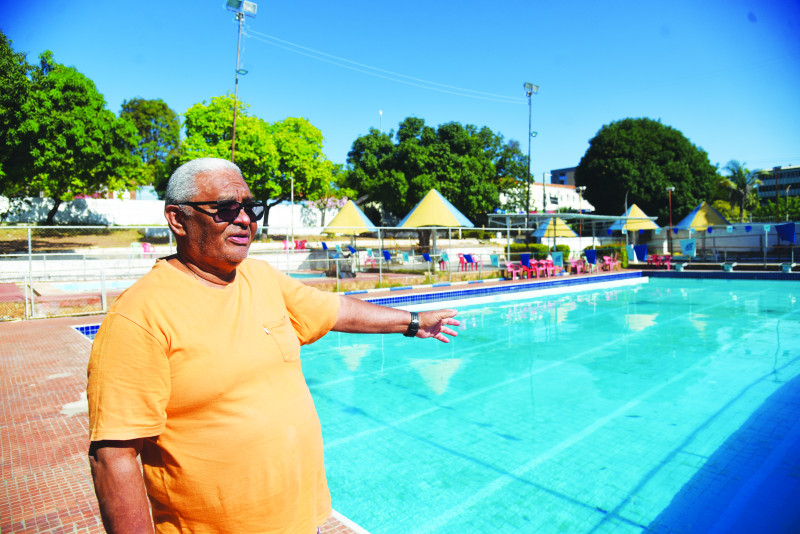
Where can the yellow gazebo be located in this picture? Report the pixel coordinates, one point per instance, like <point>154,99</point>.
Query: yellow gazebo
<point>635,220</point>
<point>350,221</point>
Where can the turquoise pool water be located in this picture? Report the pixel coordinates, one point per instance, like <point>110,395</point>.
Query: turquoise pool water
<point>616,410</point>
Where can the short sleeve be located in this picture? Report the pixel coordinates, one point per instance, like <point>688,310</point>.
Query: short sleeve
<point>312,312</point>
<point>128,382</point>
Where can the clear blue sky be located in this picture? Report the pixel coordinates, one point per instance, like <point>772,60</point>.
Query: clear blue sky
<point>725,73</point>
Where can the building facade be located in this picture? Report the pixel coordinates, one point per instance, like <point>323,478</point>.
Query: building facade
<point>779,182</point>
<point>554,197</point>
<point>563,176</point>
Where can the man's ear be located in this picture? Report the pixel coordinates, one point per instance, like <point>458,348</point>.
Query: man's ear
<point>175,219</point>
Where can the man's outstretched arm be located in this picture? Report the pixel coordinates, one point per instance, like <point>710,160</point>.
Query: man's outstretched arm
<point>360,317</point>
<point>119,486</point>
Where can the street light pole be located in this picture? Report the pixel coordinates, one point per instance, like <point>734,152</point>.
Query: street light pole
<point>530,90</point>
<point>580,189</point>
<point>669,232</point>
<point>241,8</point>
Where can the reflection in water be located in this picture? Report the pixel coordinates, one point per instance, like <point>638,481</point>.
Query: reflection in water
<point>639,321</point>
<point>436,373</point>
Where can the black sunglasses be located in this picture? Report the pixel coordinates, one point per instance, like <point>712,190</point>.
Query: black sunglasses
<point>228,210</point>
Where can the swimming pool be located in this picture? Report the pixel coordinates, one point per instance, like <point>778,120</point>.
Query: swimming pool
<point>614,410</point>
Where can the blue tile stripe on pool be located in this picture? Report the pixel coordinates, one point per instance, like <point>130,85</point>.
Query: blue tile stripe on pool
<point>88,330</point>
<point>721,275</point>
<point>487,291</point>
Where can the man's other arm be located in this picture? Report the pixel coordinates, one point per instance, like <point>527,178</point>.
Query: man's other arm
<point>360,317</point>
<point>119,486</point>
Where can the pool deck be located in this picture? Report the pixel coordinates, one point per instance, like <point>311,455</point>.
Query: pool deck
<point>47,486</point>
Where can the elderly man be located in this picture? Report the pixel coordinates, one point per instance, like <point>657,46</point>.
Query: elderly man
<point>196,369</point>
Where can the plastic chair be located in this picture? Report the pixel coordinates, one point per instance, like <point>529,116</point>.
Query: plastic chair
<point>370,258</point>
<point>494,259</point>
<point>324,246</point>
<point>405,257</point>
<point>462,263</point>
<point>515,270</point>
<point>444,261</point>
<point>149,249</point>
<point>527,265</point>
<point>136,250</point>
<point>474,262</point>
<point>428,261</point>
<point>609,263</point>
<point>546,267</point>
<point>576,266</point>
<point>475,259</point>
<point>387,256</point>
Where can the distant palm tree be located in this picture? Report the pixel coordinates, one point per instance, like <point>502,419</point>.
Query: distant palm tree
<point>742,183</point>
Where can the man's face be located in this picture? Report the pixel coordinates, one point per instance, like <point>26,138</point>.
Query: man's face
<point>218,246</point>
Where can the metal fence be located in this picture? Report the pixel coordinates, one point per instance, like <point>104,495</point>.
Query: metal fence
<point>70,270</point>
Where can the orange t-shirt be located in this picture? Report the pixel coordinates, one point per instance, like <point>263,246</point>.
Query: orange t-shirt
<point>212,379</point>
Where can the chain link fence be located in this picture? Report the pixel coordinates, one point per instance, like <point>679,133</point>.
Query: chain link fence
<point>76,270</point>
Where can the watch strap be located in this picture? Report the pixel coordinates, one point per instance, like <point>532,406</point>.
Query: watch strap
<point>413,326</point>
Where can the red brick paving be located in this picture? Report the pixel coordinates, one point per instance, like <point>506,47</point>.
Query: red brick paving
<point>46,484</point>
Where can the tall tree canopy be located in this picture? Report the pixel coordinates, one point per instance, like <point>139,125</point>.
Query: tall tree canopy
<point>470,167</point>
<point>159,135</point>
<point>71,143</point>
<point>642,157</point>
<point>14,88</point>
<point>270,156</point>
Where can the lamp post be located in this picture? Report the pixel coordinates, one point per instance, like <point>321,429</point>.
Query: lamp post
<point>580,189</point>
<point>530,90</point>
<point>241,8</point>
<point>670,189</point>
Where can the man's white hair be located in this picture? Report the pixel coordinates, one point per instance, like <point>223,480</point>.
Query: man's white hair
<point>182,185</point>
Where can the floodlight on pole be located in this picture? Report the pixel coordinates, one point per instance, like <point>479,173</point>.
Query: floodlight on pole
<point>241,9</point>
<point>580,189</point>
<point>530,90</point>
<point>670,189</point>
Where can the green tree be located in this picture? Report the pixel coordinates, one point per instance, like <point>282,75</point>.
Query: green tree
<point>467,165</point>
<point>742,184</point>
<point>208,134</point>
<point>271,156</point>
<point>789,210</point>
<point>640,158</point>
<point>73,145</point>
<point>159,136</point>
<point>14,89</point>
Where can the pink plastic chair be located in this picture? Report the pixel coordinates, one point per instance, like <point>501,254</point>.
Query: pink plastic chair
<point>149,249</point>
<point>515,270</point>
<point>473,261</point>
<point>576,265</point>
<point>462,263</point>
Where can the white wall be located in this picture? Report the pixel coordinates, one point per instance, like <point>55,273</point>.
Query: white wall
<point>126,212</point>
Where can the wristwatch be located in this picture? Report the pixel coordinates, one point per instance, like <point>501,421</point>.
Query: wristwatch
<point>413,326</point>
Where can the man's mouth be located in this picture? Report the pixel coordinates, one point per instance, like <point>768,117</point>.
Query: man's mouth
<point>240,239</point>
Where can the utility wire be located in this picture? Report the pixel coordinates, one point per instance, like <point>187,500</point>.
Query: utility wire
<point>381,73</point>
